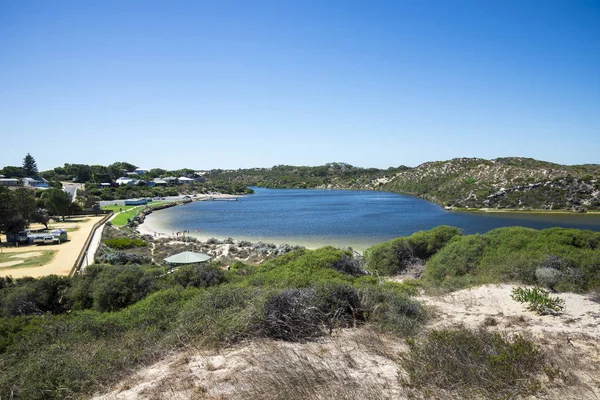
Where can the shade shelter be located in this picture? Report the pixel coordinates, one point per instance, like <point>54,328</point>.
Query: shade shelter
<point>188,257</point>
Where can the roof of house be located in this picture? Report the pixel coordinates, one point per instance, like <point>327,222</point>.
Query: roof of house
<point>185,178</point>
<point>187,257</point>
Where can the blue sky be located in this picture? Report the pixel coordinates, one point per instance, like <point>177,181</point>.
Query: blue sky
<point>235,84</point>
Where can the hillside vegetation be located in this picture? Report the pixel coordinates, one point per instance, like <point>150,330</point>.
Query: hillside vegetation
<point>510,183</point>
<point>502,183</point>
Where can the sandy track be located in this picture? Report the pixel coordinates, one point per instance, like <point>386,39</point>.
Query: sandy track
<point>66,253</point>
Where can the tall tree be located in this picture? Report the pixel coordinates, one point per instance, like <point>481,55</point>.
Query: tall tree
<point>56,201</point>
<point>10,219</point>
<point>24,202</point>
<point>29,166</point>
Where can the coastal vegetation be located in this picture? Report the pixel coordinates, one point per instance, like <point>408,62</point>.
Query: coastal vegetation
<point>126,316</point>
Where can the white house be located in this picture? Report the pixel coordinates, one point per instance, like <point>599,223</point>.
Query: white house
<point>183,179</point>
<point>126,181</point>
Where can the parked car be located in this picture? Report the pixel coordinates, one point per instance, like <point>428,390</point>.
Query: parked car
<point>50,240</point>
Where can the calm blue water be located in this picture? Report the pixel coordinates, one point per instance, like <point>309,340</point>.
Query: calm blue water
<point>339,217</point>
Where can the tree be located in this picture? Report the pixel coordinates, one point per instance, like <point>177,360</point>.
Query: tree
<point>40,217</point>
<point>24,202</point>
<point>57,202</point>
<point>13,172</point>
<point>29,166</point>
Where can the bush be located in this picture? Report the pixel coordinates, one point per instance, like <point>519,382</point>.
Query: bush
<point>390,310</point>
<point>514,254</point>
<point>547,277</point>
<point>476,364</point>
<point>538,300</point>
<point>393,257</point>
<point>122,258</point>
<point>301,314</point>
<point>124,243</point>
<point>199,276</point>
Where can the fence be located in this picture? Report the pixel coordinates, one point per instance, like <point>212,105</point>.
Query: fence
<point>86,245</point>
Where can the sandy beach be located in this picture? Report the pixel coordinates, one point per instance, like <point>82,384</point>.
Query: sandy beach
<point>66,253</point>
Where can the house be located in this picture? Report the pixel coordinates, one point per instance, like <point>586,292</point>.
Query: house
<point>38,183</point>
<point>141,171</point>
<point>183,179</point>
<point>171,180</point>
<point>105,185</point>
<point>9,182</point>
<point>159,182</point>
<point>126,181</point>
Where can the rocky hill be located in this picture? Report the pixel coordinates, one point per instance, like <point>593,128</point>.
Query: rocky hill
<point>505,183</point>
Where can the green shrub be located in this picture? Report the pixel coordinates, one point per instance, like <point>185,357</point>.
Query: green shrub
<point>475,364</point>
<point>393,257</point>
<point>124,243</point>
<point>301,268</point>
<point>514,254</point>
<point>199,275</point>
<point>390,310</point>
<point>538,300</point>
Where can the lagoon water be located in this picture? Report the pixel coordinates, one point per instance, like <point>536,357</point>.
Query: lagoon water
<point>358,219</point>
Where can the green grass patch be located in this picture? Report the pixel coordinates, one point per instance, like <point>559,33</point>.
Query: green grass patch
<point>33,261</point>
<point>117,208</point>
<point>122,218</point>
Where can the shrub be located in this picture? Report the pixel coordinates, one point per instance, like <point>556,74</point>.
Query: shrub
<point>301,314</point>
<point>547,277</point>
<point>538,300</point>
<point>199,276</point>
<point>393,257</point>
<point>122,258</point>
<point>514,254</point>
<point>390,310</point>
<point>221,315</point>
<point>124,243</point>
<point>476,364</point>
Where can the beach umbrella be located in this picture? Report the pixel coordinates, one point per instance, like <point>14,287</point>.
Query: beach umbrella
<point>187,257</point>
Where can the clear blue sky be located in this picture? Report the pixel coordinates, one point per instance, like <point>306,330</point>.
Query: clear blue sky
<point>234,84</point>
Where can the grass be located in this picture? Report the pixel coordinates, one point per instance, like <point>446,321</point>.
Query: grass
<point>475,364</point>
<point>121,219</point>
<point>42,259</point>
<point>129,211</point>
<point>117,208</point>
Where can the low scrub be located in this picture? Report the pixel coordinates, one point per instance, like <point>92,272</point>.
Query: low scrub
<point>395,256</point>
<point>124,243</point>
<point>474,364</point>
<point>560,259</point>
<point>538,300</point>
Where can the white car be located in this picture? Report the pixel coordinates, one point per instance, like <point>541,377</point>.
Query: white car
<point>50,240</point>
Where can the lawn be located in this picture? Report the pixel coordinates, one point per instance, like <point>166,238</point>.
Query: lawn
<point>129,212</point>
<point>121,219</point>
<point>30,259</point>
